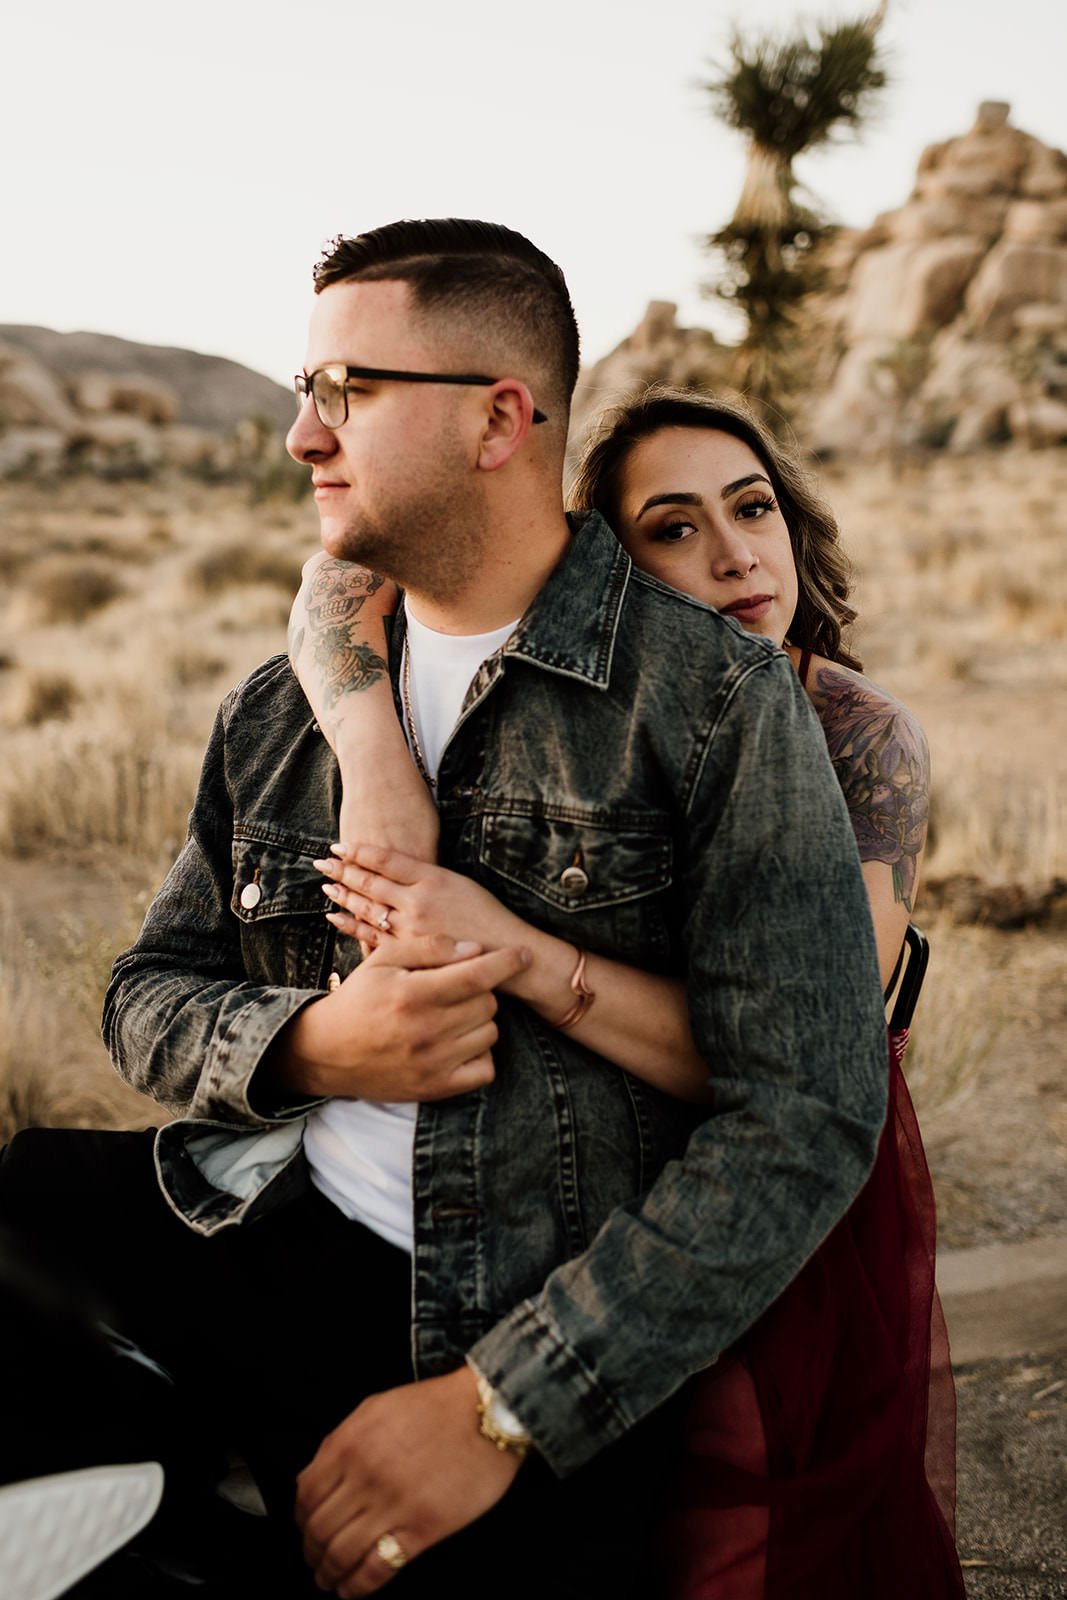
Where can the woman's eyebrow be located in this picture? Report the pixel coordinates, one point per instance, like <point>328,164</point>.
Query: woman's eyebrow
<point>742,483</point>
<point>678,498</point>
<point>681,497</point>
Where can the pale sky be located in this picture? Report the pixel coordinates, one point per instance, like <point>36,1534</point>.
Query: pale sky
<point>171,172</point>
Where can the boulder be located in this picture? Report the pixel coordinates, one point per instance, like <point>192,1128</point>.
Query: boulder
<point>995,173</point>
<point>991,115</point>
<point>1040,421</point>
<point>658,351</point>
<point>987,160</point>
<point>971,388</point>
<point>1039,319</point>
<point>194,449</point>
<point>118,445</point>
<point>1013,274</point>
<point>857,414</point>
<point>979,426</point>
<point>948,216</point>
<point>1045,177</point>
<point>128,394</point>
<point>31,450</point>
<point>657,326</point>
<point>848,243</point>
<point>30,395</point>
<point>1037,221</point>
<point>904,290</point>
<point>971,272</point>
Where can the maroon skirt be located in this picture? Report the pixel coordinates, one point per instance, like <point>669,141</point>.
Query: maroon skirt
<point>818,1458</point>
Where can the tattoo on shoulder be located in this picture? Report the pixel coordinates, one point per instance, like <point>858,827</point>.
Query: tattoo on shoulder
<point>880,755</point>
<point>336,596</point>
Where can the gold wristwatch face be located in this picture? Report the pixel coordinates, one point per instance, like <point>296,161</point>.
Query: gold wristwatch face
<point>504,1420</point>
<point>498,1422</point>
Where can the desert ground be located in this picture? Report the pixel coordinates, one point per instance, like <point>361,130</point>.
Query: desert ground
<point>132,606</point>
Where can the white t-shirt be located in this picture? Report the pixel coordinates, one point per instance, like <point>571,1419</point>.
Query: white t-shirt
<point>359,1151</point>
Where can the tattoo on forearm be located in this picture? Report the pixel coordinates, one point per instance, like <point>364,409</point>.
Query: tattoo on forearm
<point>346,663</point>
<point>880,756</point>
<point>345,666</point>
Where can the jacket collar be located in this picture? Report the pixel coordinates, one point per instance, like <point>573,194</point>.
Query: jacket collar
<point>570,626</point>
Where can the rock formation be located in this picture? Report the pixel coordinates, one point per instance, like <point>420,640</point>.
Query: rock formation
<point>945,322</point>
<point>657,351</point>
<point>948,322</point>
<point>117,408</point>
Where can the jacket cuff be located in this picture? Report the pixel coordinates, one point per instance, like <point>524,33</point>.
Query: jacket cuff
<point>232,1086</point>
<point>544,1381</point>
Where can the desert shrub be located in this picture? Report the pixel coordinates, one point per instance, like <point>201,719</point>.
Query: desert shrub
<point>68,589</point>
<point>12,562</point>
<point>279,478</point>
<point>1001,825</point>
<point>191,666</point>
<point>45,1079</point>
<point>959,1017</point>
<point>45,697</point>
<point>112,788</point>
<point>239,564</point>
<point>160,530</point>
<point>239,613</point>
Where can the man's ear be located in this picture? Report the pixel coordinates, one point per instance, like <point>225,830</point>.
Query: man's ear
<point>508,420</point>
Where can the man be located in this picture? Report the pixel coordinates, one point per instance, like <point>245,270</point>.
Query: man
<point>643,783</point>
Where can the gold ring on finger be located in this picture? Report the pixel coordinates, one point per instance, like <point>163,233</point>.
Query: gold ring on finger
<point>392,1551</point>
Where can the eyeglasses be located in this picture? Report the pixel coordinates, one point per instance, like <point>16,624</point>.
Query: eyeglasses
<point>328,387</point>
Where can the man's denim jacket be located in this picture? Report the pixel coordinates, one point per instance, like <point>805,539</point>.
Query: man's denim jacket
<point>589,1241</point>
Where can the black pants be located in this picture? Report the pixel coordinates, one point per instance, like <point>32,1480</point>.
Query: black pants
<point>274,1331</point>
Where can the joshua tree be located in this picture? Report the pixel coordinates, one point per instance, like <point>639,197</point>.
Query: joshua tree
<point>787,95</point>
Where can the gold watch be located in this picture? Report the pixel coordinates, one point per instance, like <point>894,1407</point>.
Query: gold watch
<point>498,1423</point>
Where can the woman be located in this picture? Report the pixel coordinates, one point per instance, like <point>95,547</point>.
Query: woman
<point>803,1468</point>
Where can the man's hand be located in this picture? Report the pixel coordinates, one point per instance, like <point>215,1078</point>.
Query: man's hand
<point>410,1462</point>
<point>411,1023</point>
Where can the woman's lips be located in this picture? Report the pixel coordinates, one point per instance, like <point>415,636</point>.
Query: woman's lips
<point>753,608</point>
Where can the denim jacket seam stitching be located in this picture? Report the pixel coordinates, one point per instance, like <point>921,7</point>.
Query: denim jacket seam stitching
<point>702,745</point>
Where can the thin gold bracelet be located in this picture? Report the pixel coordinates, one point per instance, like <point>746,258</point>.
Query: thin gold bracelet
<point>584,996</point>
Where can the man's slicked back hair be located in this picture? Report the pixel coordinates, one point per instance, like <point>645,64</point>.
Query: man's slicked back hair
<point>482,273</point>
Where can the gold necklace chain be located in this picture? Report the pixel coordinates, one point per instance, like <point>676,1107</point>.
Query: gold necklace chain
<point>409,718</point>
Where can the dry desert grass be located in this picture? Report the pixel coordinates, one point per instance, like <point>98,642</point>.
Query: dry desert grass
<point>132,608</point>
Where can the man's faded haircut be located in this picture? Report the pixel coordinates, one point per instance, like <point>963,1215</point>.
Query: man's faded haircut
<point>487,276</point>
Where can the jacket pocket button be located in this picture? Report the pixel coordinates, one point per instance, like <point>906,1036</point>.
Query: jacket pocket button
<point>251,895</point>
<point>573,880</point>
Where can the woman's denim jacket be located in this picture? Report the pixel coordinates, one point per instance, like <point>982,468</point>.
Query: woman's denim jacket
<point>588,1241</point>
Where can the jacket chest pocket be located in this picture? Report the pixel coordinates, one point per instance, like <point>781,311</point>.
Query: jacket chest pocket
<point>598,880</point>
<point>278,901</point>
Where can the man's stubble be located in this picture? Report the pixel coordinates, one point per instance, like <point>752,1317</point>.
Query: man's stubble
<point>433,536</point>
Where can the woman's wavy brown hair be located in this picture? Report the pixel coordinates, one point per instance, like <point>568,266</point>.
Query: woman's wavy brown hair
<point>824,574</point>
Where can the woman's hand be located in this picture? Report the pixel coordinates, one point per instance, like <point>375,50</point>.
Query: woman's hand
<point>640,1021</point>
<point>380,894</point>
